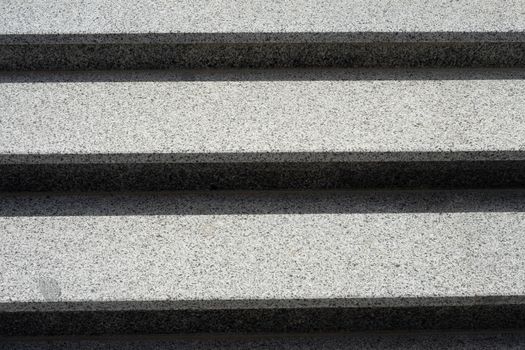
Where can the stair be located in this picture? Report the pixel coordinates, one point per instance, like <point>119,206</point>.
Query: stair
<point>40,34</point>
<point>262,129</point>
<point>306,173</point>
<point>276,261</point>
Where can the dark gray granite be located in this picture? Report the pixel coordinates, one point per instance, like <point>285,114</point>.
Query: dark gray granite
<point>253,320</point>
<point>261,55</point>
<point>496,340</point>
<point>261,176</point>
<point>259,202</point>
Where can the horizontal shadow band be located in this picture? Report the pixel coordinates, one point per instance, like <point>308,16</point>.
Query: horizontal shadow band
<point>264,37</point>
<point>319,319</point>
<point>261,157</point>
<point>90,56</point>
<point>415,340</point>
<point>283,74</point>
<point>260,203</point>
<point>262,175</point>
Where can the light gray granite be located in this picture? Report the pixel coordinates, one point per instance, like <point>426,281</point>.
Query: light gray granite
<point>263,250</point>
<point>261,20</point>
<point>380,341</point>
<point>323,115</point>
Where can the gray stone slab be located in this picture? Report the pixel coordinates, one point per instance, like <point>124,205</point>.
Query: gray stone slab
<point>262,250</point>
<point>391,341</point>
<point>325,115</point>
<point>101,34</point>
<point>260,20</point>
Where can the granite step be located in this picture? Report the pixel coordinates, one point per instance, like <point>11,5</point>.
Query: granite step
<point>194,262</point>
<point>497,340</point>
<point>262,129</point>
<point>95,34</point>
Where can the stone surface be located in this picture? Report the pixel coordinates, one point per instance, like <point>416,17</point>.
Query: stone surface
<point>325,115</point>
<point>262,129</point>
<point>259,54</point>
<point>277,175</point>
<point>381,341</point>
<point>102,34</point>
<point>262,250</point>
<point>263,20</point>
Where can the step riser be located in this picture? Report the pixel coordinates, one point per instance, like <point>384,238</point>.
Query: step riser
<point>262,320</point>
<point>256,55</point>
<point>486,339</point>
<point>261,176</point>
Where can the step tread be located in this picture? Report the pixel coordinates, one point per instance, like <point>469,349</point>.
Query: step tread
<point>232,250</point>
<point>192,20</point>
<point>262,115</point>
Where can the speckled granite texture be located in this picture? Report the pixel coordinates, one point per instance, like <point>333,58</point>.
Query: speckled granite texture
<point>380,341</point>
<point>102,34</point>
<point>261,261</point>
<point>189,262</point>
<point>262,129</point>
<point>261,176</point>
<point>436,18</point>
<point>254,320</point>
<point>324,115</point>
<point>248,55</point>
